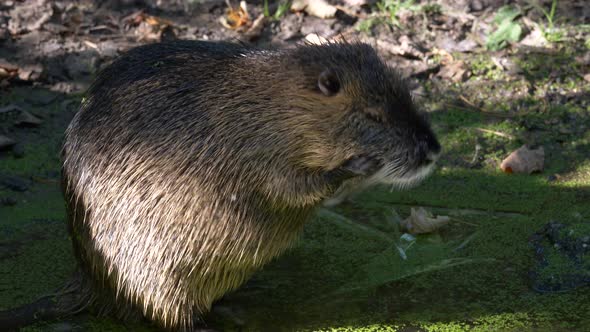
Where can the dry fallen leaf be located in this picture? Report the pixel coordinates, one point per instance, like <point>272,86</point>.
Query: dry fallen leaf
<point>29,16</point>
<point>404,47</point>
<point>236,18</point>
<point>451,45</point>
<point>356,3</point>
<point>140,16</point>
<point>148,27</point>
<point>315,39</point>
<point>256,28</point>
<point>421,221</point>
<point>157,21</point>
<point>30,72</point>
<point>536,37</point>
<point>506,64</point>
<point>456,71</point>
<point>524,160</point>
<point>317,8</point>
<point>8,66</point>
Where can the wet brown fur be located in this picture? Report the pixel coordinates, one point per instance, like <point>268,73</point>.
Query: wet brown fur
<point>192,164</point>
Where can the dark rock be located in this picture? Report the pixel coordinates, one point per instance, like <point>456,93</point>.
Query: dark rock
<point>345,18</point>
<point>53,174</point>
<point>4,34</point>
<point>14,183</point>
<point>476,6</point>
<point>562,257</point>
<point>6,142</point>
<point>289,27</point>
<point>41,97</point>
<point>18,150</point>
<point>321,27</point>
<point>80,66</point>
<point>27,119</point>
<point>108,49</point>
<point>8,201</point>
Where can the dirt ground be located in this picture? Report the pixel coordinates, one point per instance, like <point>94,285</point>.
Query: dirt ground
<point>516,253</point>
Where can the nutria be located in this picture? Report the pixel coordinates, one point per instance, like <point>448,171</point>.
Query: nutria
<point>191,164</point>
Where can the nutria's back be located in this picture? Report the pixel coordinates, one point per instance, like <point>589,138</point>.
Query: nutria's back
<point>191,164</point>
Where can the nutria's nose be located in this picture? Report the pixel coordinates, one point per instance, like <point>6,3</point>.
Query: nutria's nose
<point>430,150</point>
<point>433,150</point>
<point>432,156</point>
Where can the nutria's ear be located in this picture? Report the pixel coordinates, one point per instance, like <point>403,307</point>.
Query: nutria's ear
<point>328,82</point>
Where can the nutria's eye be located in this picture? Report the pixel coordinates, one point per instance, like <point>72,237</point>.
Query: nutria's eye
<point>328,83</point>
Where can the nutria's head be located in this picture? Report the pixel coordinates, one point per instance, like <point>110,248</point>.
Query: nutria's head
<point>354,107</point>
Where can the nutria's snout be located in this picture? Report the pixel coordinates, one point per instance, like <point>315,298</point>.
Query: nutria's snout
<point>412,157</point>
<point>426,153</point>
<point>430,150</point>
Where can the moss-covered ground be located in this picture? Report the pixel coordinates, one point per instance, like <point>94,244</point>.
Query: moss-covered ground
<point>346,273</point>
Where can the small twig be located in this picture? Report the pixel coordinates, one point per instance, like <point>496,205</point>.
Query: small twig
<point>91,44</point>
<point>341,220</point>
<point>497,114</point>
<point>494,132</point>
<point>455,220</point>
<point>475,154</point>
<point>466,242</point>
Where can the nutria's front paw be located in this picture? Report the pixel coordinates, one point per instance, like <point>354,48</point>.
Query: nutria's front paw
<point>226,314</point>
<point>353,167</point>
<point>361,165</point>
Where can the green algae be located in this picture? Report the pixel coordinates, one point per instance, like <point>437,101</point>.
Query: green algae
<point>342,278</point>
<point>36,254</point>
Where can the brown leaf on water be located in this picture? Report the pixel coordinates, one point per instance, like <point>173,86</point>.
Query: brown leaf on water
<point>524,160</point>
<point>421,221</point>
